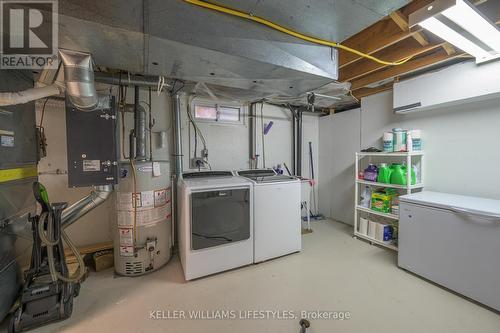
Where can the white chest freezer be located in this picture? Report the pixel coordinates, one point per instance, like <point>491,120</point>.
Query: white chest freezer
<point>454,241</point>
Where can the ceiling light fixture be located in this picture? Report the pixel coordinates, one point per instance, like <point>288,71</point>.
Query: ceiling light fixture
<point>469,30</point>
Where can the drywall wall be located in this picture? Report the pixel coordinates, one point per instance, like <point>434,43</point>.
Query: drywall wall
<point>459,144</point>
<point>228,147</point>
<point>339,139</point>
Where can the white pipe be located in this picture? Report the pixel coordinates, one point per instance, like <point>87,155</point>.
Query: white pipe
<point>28,95</point>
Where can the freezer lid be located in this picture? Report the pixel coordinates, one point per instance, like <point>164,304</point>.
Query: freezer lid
<point>459,203</point>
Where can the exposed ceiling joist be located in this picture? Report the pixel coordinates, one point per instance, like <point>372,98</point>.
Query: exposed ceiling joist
<point>376,37</point>
<point>402,22</point>
<point>414,64</point>
<point>449,49</point>
<point>404,49</point>
<point>384,33</point>
<point>391,39</point>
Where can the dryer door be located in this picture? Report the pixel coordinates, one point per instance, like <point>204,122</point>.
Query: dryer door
<point>219,217</point>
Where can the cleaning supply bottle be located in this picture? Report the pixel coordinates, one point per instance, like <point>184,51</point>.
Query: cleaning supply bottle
<point>398,175</point>
<point>409,142</point>
<point>384,174</point>
<point>371,173</point>
<point>366,197</point>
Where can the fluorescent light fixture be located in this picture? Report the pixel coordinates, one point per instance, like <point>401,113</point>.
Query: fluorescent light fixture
<point>440,29</point>
<point>474,33</point>
<point>469,19</point>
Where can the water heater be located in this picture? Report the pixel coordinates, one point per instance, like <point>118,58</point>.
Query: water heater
<point>143,230</point>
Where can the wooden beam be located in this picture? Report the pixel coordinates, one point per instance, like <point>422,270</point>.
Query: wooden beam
<point>380,35</point>
<point>372,39</point>
<point>414,64</point>
<point>363,92</point>
<point>404,49</point>
<point>449,49</point>
<point>402,23</point>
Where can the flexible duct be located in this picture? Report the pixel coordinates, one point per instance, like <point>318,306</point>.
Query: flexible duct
<point>28,95</point>
<point>79,81</point>
<point>80,208</point>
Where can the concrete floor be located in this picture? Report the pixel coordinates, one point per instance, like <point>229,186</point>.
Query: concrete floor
<point>334,272</point>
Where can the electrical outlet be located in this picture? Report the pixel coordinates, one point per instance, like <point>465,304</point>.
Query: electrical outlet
<point>197,163</point>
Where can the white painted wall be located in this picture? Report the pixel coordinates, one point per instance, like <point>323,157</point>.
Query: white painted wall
<point>459,143</point>
<point>228,147</point>
<point>340,137</point>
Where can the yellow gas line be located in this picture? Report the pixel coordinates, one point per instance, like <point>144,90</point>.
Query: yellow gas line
<point>290,32</point>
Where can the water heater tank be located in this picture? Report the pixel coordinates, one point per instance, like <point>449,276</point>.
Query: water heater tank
<point>143,230</point>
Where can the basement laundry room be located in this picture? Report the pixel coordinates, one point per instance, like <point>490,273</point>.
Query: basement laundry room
<point>250,166</point>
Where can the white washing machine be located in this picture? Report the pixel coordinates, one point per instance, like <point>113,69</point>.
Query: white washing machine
<point>277,219</point>
<point>215,222</point>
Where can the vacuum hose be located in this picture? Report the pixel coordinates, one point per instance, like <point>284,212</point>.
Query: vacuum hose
<point>51,220</point>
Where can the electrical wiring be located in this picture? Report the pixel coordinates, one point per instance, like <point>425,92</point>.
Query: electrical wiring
<point>43,112</point>
<point>296,34</point>
<point>197,129</point>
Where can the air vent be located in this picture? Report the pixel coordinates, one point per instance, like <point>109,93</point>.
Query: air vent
<point>133,268</point>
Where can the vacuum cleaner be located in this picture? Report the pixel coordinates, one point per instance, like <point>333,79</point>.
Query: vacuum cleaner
<point>48,290</point>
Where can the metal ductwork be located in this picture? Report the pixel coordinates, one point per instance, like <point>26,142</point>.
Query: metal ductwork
<point>80,208</point>
<point>182,41</point>
<point>79,81</point>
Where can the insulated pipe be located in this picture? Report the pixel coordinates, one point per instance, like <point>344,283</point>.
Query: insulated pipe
<point>98,195</point>
<point>176,103</point>
<point>79,80</point>
<point>139,127</point>
<point>28,95</point>
<point>128,80</point>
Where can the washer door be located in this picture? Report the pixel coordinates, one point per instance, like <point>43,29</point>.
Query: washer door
<point>219,217</point>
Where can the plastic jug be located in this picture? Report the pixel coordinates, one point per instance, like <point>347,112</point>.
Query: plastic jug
<point>398,175</point>
<point>371,173</point>
<point>384,174</point>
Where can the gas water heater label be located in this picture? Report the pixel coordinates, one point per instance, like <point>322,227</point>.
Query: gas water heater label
<point>127,250</point>
<point>148,199</point>
<point>126,236</point>
<point>91,165</point>
<point>160,197</point>
<point>144,218</point>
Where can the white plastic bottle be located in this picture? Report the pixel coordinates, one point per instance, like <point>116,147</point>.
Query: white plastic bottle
<point>409,142</point>
<point>366,196</point>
